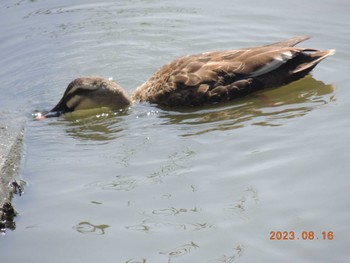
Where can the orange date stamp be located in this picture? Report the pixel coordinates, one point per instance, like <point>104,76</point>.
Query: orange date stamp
<point>304,235</point>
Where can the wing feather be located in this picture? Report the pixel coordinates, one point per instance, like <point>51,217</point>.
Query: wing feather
<point>249,62</point>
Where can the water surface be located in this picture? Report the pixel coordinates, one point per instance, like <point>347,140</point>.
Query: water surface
<point>155,185</point>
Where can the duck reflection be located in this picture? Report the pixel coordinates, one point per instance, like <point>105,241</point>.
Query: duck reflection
<point>266,108</point>
<point>99,125</point>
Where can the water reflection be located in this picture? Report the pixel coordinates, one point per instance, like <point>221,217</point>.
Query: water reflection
<point>232,257</point>
<point>149,225</point>
<point>143,227</point>
<point>88,228</point>
<point>248,200</point>
<point>173,211</point>
<point>180,250</point>
<point>116,184</point>
<point>92,125</point>
<point>267,108</point>
<point>175,163</point>
<point>143,260</point>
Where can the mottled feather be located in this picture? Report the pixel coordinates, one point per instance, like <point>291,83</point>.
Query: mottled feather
<point>228,74</point>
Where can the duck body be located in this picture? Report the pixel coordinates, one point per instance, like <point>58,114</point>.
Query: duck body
<point>213,77</point>
<point>201,79</point>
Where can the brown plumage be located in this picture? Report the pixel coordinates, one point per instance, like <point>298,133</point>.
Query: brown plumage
<point>204,78</point>
<point>212,77</point>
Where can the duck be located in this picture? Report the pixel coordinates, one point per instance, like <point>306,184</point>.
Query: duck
<point>200,79</point>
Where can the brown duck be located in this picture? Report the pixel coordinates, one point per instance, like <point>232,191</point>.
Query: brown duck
<point>200,79</point>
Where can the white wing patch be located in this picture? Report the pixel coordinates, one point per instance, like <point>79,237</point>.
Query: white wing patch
<point>277,61</point>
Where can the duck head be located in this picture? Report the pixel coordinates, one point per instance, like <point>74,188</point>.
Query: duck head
<point>90,92</point>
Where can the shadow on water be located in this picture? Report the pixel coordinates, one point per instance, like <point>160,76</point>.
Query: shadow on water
<point>265,108</point>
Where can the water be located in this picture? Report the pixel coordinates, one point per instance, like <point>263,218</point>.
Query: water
<point>154,185</point>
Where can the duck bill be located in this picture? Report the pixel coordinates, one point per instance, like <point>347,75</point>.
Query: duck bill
<point>45,115</point>
<point>57,111</point>
<point>52,114</point>
<point>60,109</point>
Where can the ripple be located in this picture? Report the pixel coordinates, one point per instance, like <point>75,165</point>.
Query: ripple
<point>66,9</point>
<point>116,185</point>
<point>248,200</point>
<point>267,108</point>
<point>141,228</point>
<point>133,260</point>
<point>176,161</point>
<point>90,229</point>
<point>95,125</point>
<point>148,225</point>
<point>47,43</point>
<point>173,211</point>
<point>230,258</point>
<point>180,250</point>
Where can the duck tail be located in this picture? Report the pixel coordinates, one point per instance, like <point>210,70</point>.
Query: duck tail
<point>312,59</point>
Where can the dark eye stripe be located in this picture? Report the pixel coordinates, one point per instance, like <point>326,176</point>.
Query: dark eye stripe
<point>79,92</point>
<point>62,105</point>
<point>83,88</point>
